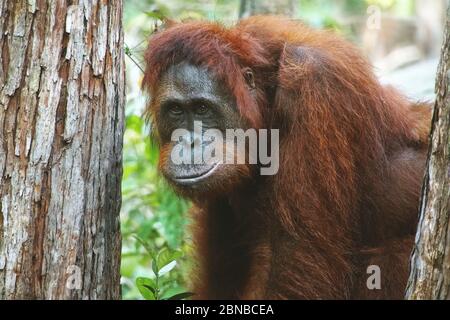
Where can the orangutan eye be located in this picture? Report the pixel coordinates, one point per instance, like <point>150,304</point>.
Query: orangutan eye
<point>176,110</point>
<point>202,109</point>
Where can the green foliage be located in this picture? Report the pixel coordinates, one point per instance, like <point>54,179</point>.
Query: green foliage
<point>152,212</point>
<point>161,286</point>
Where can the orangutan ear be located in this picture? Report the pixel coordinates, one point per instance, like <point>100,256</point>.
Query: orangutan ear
<point>249,77</point>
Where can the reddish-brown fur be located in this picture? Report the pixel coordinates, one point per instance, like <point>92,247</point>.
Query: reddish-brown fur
<point>351,159</point>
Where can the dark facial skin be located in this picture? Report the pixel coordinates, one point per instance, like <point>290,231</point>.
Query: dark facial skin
<point>201,98</point>
<point>188,93</point>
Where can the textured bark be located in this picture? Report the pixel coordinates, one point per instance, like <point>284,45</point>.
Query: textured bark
<point>254,7</point>
<point>61,129</point>
<point>430,261</point>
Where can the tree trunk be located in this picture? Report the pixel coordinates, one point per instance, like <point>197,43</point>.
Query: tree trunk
<point>61,129</point>
<point>254,7</point>
<point>430,261</point>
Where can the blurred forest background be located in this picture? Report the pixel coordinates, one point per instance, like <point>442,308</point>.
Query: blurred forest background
<point>401,38</point>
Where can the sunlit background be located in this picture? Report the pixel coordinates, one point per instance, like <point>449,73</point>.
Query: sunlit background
<point>402,39</point>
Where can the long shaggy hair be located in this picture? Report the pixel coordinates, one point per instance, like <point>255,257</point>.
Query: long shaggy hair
<point>351,159</point>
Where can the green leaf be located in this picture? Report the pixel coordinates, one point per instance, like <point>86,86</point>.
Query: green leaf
<point>146,246</point>
<point>167,268</point>
<point>155,268</point>
<point>147,288</point>
<point>166,256</point>
<point>155,14</point>
<point>171,290</point>
<point>181,296</point>
<point>135,123</point>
